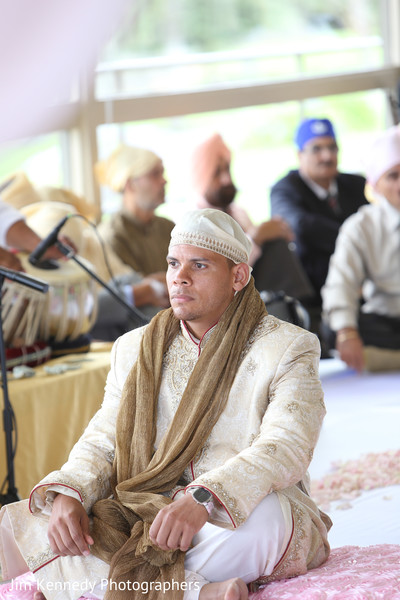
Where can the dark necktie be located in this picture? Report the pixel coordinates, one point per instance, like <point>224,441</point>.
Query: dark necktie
<point>333,203</point>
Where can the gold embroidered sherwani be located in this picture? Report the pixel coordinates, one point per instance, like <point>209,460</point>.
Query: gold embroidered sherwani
<point>263,442</point>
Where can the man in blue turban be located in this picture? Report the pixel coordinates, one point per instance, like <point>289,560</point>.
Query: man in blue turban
<point>315,200</point>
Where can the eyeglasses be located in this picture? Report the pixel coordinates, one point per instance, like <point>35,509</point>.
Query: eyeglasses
<point>319,148</point>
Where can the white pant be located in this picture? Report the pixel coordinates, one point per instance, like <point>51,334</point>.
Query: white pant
<point>248,552</point>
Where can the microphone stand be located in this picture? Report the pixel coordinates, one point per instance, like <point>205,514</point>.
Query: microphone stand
<point>8,414</point>
<point>136,314</point>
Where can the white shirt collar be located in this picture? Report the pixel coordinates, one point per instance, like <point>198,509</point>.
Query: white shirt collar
<point>319,191</point>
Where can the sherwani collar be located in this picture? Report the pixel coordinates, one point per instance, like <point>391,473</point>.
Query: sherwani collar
<point>194,340</point>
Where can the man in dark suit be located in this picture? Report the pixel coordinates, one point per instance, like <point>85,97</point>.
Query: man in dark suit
<point>316,199</point>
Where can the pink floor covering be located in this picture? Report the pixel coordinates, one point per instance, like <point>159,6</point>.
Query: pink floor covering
<point>350,573</point>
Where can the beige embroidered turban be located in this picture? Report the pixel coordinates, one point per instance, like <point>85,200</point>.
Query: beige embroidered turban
<point>213,230</point>
<point>383,154</point>
<point>125,162</point>
<point>205,161</point>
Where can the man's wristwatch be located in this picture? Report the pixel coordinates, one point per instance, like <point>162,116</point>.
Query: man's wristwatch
<point>202,496</point>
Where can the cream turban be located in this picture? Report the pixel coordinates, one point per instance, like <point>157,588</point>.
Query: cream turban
<point>205,160</point>
<point>213,230</point>
<point>383,154</point>
<point>125,162</point>
<point>19,192</point>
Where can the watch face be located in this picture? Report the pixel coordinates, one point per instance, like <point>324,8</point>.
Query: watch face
<point>202,495</point>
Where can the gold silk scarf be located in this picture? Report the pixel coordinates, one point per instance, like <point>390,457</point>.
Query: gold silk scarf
<point>140,473</point>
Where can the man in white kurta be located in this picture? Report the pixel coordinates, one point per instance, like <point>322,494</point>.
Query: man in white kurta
<point>366,266</point>
<point>258,523</point>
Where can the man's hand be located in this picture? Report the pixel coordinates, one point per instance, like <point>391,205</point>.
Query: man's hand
<point>151,290</point>
<point>10,260</point>
<point>350,348</point>
<point>22,237</point>
<point>272,230</point>
<point>177,523</point>
<point>55,253</point>
<point>68,530</point>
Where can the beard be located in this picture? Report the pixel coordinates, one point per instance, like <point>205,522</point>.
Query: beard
<point>222,197</point>
<point>151,201</point>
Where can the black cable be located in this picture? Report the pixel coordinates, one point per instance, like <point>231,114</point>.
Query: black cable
<point>133,312</point>
<point>103,248</point>
<point>14,446</point>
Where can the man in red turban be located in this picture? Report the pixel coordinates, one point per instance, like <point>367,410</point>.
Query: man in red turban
<point>276,267</point>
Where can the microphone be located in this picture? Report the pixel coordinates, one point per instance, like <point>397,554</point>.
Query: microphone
<point>48,241</point>
<point>24,279</point>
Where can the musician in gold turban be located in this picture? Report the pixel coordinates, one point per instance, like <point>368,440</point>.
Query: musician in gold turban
<point>137,235</point>
<point>30,212</point>
<point>147,293</point>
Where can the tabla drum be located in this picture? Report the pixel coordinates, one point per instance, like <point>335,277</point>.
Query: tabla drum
<point>66,311</point>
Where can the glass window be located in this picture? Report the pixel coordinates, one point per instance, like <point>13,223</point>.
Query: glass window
<point>175,45</point>
<point>40,158</point>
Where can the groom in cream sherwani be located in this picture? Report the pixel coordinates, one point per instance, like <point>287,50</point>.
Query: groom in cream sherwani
<point>191,480</point>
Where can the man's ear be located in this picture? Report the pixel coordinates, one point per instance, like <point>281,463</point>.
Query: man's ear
<point>241,276</point>
<point>130,185</point>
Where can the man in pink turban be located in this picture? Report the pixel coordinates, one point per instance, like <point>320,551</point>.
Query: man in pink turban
<point>366,267</point>
<point>275,266</point>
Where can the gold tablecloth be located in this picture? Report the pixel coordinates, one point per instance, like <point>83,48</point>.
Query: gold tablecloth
<point>52,412</point>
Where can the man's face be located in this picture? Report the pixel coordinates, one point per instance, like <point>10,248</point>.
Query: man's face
<point>150,188</point>
<point>221,191</point>
<point>388,185</point>
<point>200,284</point>
<point>318,159</point>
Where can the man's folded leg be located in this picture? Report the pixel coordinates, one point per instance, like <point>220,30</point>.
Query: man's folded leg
<point>247,552</point>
